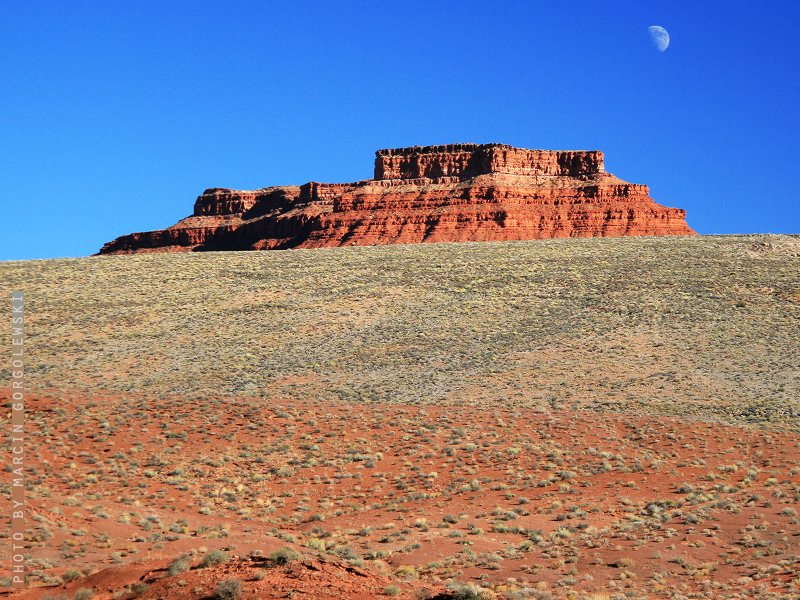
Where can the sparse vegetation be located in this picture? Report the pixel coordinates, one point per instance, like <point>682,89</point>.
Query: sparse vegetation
<point>284,555</point>
<point>457,396</point>
<point>470,591</point>
<point>213,557</point>
<point>654,318</point>
<point>229,589</point>
<point>140,588</point>
<point>181,565</point>
<point>71,575</point>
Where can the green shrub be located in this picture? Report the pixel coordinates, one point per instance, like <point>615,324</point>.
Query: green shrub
<point>71,575</point>
<point>406,571</point>
<point>140,588</point>
<point>214,557</point>
<point>392,590</point>
<point>83,594</point>
<point>179,565</point>
<point>229,589</point>
<point>315,544</point>
<point>469,591</point>
<point>284,555</point>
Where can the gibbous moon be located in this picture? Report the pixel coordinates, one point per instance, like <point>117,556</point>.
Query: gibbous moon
<point>659,36</point>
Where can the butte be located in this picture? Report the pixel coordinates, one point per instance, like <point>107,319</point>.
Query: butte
<point>448,193</point>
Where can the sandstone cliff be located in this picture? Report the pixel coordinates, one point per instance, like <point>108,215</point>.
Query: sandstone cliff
<point>449,193</point>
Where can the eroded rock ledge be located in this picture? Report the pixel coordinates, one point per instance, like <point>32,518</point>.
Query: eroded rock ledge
<point>447,193</point>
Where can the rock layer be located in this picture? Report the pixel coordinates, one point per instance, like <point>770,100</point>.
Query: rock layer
<point>450,193</point>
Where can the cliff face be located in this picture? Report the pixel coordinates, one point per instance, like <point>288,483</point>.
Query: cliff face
<point>451,193</point>
<point>469,160</point>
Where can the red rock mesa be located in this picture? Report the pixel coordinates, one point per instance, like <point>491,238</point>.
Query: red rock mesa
<point>450,193</point>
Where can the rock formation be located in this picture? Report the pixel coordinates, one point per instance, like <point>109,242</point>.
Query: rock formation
<point>451,193</point>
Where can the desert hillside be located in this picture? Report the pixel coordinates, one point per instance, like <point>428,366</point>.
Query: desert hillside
<point>706,326</point>
<point>588,419</point>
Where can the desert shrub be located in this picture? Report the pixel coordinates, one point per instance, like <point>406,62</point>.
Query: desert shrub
<point>406,571</point>
<point>624,563</point>
<point>50,596</point>
<point>140,588</point>
<point>179,565</point>
<point>229,589</point>
<point>693,519</point>
<point>284,555</point>
<point>528,594</point>
<point>83,594</point>
<point>71,575</point>
<point>455,534</point>
<point>315,544</point>
<point>214,557</point>
<point>392,590</point>
<point>470,591</point>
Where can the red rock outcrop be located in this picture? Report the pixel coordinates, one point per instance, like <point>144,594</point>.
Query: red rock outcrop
<point>451,193</point>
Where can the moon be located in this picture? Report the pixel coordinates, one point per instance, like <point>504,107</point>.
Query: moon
<point>659,36</point>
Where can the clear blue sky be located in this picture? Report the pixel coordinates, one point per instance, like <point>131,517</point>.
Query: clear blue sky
<point>115,116</point>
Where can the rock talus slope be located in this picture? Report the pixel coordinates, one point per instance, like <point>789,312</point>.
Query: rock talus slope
<point>448,193</point>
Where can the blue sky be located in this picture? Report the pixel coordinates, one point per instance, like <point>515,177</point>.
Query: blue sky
<point>115,116</point>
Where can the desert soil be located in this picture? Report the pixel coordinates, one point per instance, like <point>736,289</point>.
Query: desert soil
<point>605,418</point>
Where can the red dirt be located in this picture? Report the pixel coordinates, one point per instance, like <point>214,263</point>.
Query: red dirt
<point>380,495</point>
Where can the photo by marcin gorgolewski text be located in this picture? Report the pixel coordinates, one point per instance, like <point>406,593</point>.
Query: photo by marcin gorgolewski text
<point>17,441</point>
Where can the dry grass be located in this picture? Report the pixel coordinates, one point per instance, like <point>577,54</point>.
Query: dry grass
<point>704,326</point>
